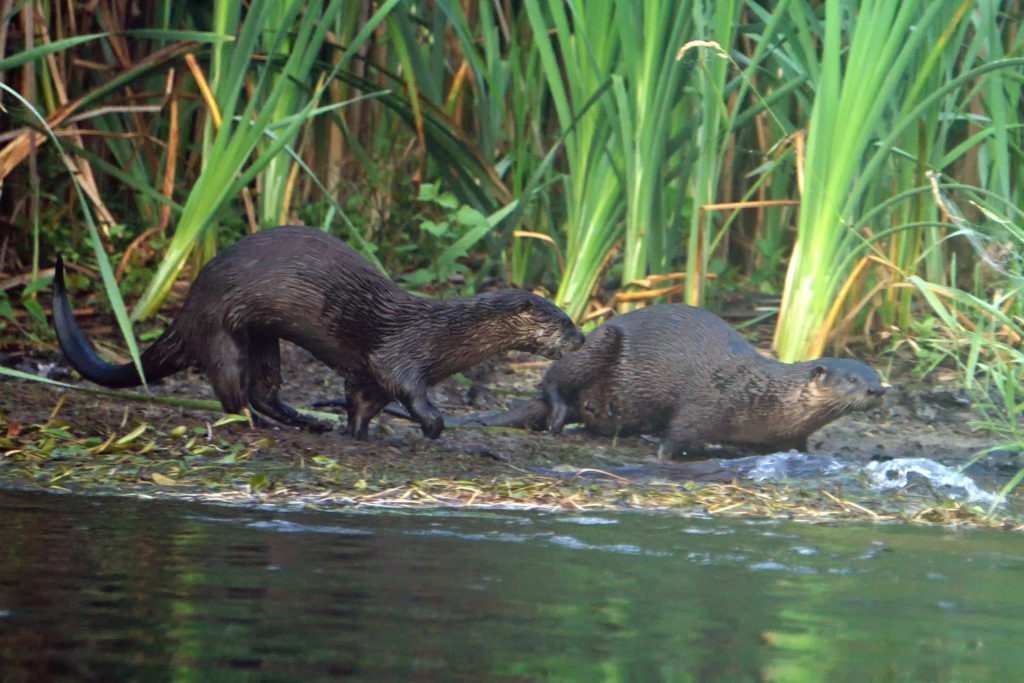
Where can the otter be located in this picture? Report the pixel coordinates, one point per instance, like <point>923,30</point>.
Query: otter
<point>682,373</point>
<point>308,287</point>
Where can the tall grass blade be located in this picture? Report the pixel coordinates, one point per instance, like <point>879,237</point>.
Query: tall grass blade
<point>243,128</point>
<point>857,82</point>
<point>106,272</point>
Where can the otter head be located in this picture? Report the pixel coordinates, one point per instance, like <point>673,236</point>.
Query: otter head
<point>846,385</point>
<point>543,328</point>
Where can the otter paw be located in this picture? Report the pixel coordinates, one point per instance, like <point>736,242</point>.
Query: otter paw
<point>432,427</point>
<point>318,426</point>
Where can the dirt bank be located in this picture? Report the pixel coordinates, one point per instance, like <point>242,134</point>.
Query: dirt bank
<point>67,440</point>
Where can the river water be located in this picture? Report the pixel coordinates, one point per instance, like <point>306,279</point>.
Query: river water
<point>123,589</point>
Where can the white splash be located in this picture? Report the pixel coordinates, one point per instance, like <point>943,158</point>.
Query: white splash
<point>792,464</point>
<point>894,473</point>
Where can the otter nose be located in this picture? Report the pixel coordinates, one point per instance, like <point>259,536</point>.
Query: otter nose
<point>576,338</point>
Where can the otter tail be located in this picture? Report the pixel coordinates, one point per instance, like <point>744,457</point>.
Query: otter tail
<point>163,358</point>
<point>528,414</point>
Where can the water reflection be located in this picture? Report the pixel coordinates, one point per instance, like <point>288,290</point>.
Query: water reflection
<point>124,589</point>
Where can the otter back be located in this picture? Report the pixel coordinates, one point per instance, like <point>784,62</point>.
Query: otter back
<point>303,285</point>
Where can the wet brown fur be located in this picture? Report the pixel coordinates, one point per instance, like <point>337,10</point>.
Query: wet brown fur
<point>682,373</point>
<point>303,285</point>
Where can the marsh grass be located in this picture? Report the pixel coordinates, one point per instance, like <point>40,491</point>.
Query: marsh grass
<point>889,111</point>
<point>239,120</point>
<point>106,271</point>
<point>981,332</point>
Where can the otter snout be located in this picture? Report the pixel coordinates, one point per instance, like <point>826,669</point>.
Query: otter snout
<point>875,395</point>
<point>555,338</point>
<point>565,341</point>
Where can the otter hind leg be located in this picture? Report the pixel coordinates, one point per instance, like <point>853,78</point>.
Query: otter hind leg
<point>224,363</point>
<point>265,383</point>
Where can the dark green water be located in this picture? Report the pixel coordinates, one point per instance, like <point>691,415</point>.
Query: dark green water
<point>112,589</point>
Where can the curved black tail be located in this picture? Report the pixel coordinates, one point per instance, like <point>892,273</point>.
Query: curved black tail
<point>83,358</point>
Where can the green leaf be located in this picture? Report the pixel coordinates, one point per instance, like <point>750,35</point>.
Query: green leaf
<point>470,217</point>
<point>435,229</point>
<point>446,200</point>
<point>259,482</point>
<point>418,278</point>
<point>35,310</point>
<point>35,286</point>
<point>163,479</point>
<point>41,51</point>
<point>231,418</point>
<point>428,192</point>
<point>5,308</point>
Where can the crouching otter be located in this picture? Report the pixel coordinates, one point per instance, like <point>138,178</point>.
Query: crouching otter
<point>683,374</point>
<point>303,285</point>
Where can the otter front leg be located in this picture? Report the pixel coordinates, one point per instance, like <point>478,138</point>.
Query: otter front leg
<point>265,383</point>
<point>410,389</point>
<point>587,369</point>
<point>423,411</point>
<point>669,449</point>
<point>689,431</point>
<point>558,409</point>
<point>365,400</point>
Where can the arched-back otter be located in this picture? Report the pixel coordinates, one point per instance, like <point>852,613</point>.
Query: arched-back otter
<point>303,285</point>
<point>684,374</point>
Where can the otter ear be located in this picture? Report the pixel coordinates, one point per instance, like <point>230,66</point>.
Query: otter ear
<point>526,303</point>
<point>818,372</point>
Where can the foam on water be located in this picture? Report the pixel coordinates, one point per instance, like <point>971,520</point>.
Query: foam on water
<point>890,474</point>
<point>793,464</point>
<point>895,474</point>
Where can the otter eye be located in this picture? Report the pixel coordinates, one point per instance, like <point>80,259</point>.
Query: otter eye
<point>852,379</point>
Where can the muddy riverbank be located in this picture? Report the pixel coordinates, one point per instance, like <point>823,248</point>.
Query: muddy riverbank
<point>64,439</point>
